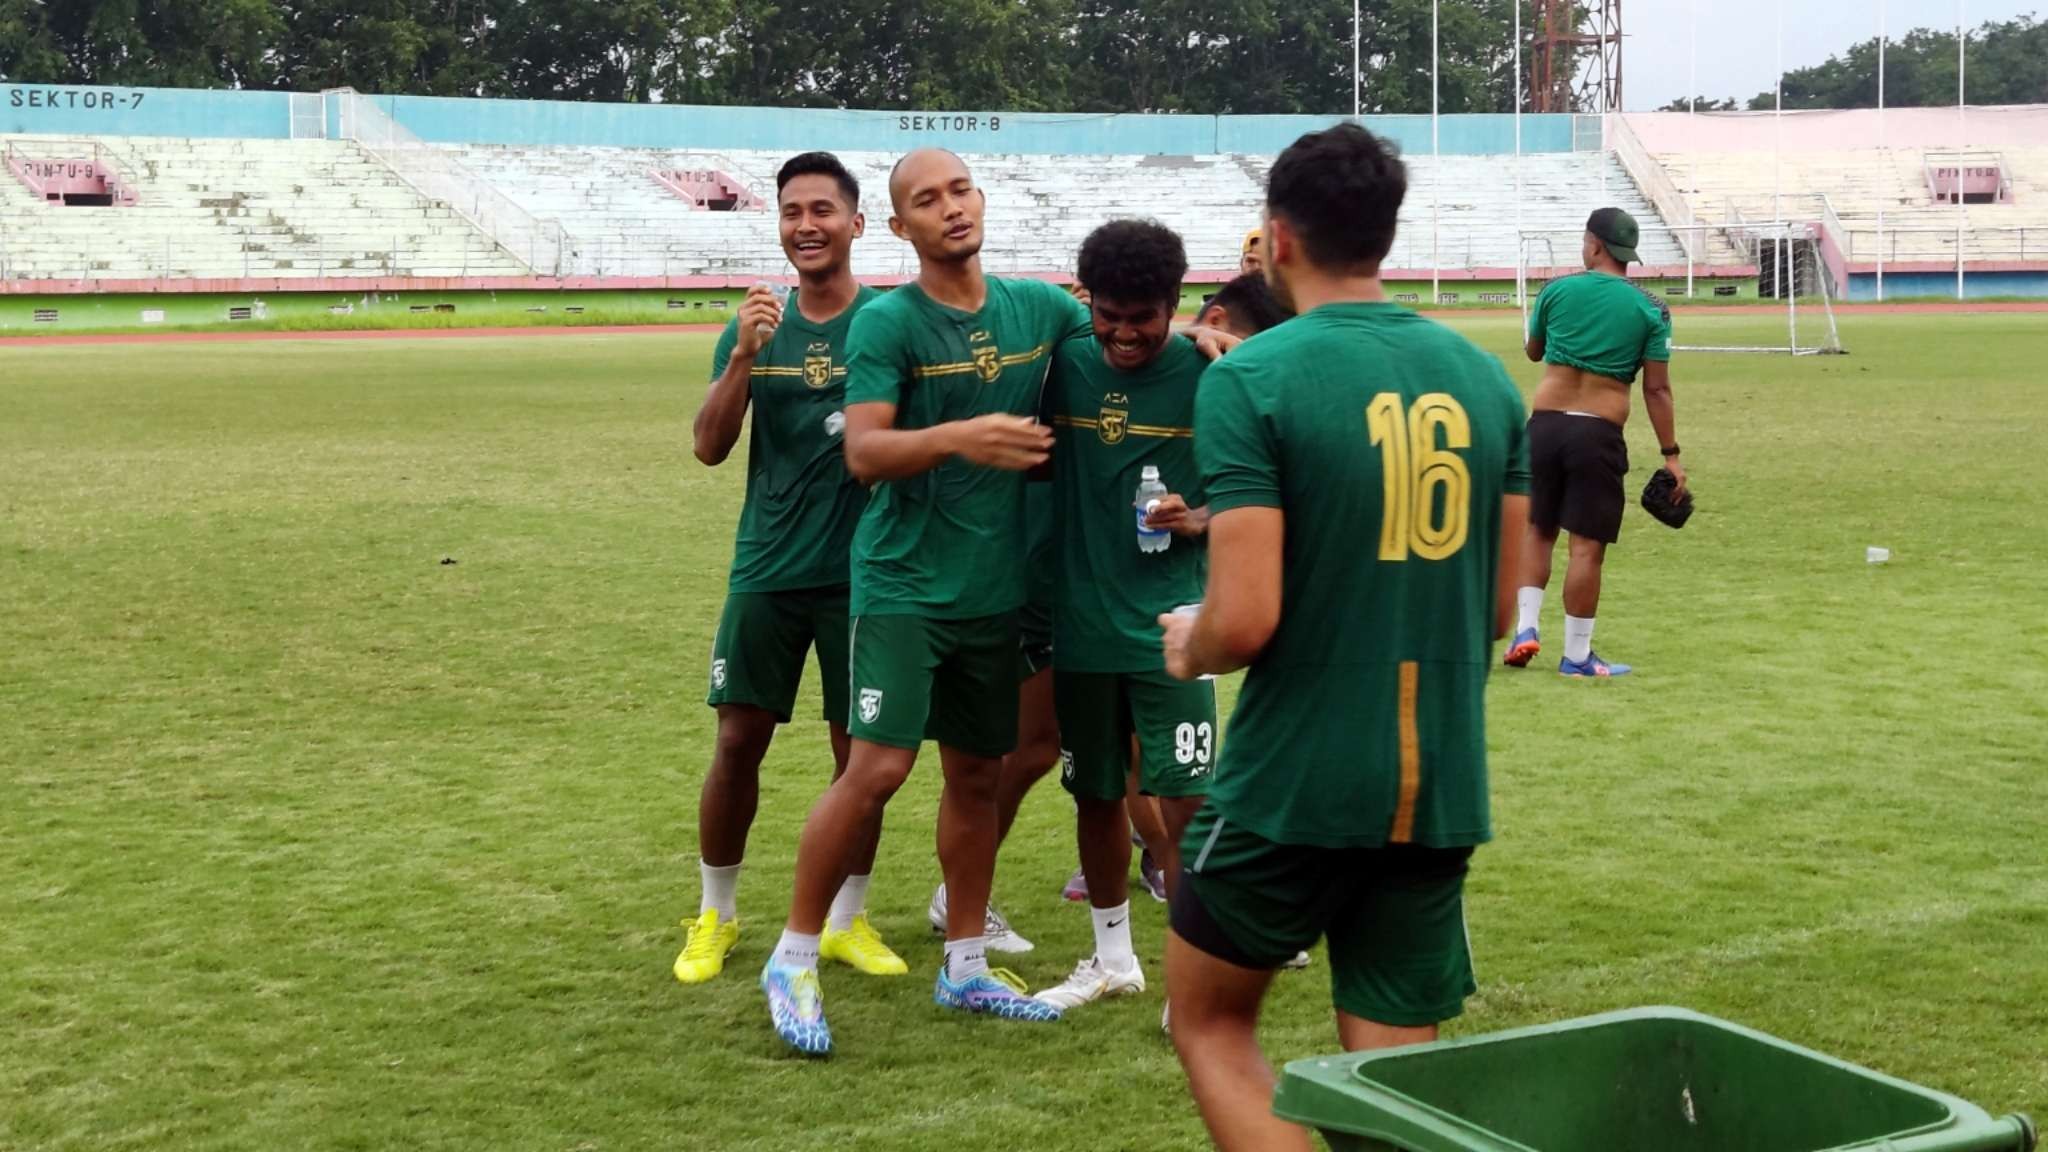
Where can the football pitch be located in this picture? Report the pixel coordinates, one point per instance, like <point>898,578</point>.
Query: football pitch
<point>351,727</point>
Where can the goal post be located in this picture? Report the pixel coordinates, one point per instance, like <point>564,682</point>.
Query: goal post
<point>1791,266</point>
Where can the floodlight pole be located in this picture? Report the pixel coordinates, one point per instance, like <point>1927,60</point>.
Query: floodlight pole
<point>1356,101</point>
<point>1436,167</point>
<point>1962,141</point>
<point>1881,144</point>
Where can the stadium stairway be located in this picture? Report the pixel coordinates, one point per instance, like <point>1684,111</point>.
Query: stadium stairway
<point>223,209</point>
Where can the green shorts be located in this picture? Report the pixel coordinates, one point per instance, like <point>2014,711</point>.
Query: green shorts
<point>1394,916</point>
<point>758,657</point>
<point>953,681</point>
<point>1175,724</point>
<point>1034,641</point>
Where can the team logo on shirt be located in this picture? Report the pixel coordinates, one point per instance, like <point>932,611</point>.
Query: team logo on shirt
<point>1115,422</point>
<point>988,360</point>
<point>718,674</point>
<point>818,365</point>
<point>870,704</point>
<point>1066,764</point>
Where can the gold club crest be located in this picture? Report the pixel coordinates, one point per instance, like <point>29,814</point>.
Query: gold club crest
<point>818,365</point>
<point>988,361</point>
<point>1115,421</point>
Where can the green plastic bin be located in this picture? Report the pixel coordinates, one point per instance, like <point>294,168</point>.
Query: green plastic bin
<point>1645,1080</point>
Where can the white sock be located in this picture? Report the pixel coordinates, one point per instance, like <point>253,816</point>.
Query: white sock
<point>1530,601</point>
<point>967,958</point>
<point>721,891</point>
<point>795,950</point>
<point>851,901</point>
<point>1113,936</point>
<point>1578,638</point>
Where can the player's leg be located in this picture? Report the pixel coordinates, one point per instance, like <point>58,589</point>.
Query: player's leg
<point>1547,482</point>
<point>974,719</point>
<point>1242,906</point>
<point>893,660</point>
<point>1038,749</point>
<point>1400,960</point>
<point>848,937</point>
<point>1147,829</point>
<point>756,665</point>
<point>1094,717</point>
<point>1592,512</point>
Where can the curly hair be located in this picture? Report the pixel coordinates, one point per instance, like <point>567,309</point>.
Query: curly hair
<point>1340,190</point>
<point>1133,260</point>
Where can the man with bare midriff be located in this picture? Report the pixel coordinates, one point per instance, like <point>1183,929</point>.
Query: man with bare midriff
<point>1592,332</point>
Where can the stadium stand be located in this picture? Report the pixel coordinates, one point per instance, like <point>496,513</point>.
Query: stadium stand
<point>1848,167</point>
<point>623,220</point>
<point>221,209</point>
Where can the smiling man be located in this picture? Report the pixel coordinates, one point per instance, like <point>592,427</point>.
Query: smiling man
<point>1122,401</point>
<point>942,391</point>
<point>787,592</point>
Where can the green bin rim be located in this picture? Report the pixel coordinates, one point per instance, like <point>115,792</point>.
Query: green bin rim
<point>1444,1132</point>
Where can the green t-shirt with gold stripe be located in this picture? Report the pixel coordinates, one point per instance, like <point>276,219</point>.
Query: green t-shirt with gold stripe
<point>950,543</point>
<point>801,506</point>
<point>1109,425</point>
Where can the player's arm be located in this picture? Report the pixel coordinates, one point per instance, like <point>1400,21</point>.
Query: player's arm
<point>1532,346</point>
<point>1174,515</point>
<point>1657,396</point>
<point>724,410</point>
<point>876,450</point>
<point>1241,607</point>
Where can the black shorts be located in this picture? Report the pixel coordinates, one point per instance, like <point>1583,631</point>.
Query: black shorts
<point>1576,465</point>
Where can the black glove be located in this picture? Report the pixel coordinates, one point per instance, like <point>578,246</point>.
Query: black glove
<point>1657,499</point>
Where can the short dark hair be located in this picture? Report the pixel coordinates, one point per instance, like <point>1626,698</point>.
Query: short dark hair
<point>819,164</point>
<point>1133,260</point>
<point>1340,190</point>
<point>1249,302</point>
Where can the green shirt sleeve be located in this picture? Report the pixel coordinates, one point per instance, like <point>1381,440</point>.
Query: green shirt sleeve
<point>1069,317</point>
<point>722,354</point>
<point>1540,314</point>
<point>1658,345</point>
<point>877,358</point>
<point>1234,443</point>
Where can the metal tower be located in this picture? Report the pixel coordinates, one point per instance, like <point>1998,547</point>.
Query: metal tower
<point>1575,60</point>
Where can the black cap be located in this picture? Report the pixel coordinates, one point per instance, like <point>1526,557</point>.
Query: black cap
<point>1616,229</point>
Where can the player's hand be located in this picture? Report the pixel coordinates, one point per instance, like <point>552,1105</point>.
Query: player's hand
<point>760,316</point>
<point>1677,471</point>
<point>1211,342</point>
<point>999,440</point>
<point>1174,515</point>
<point>1180,630</point>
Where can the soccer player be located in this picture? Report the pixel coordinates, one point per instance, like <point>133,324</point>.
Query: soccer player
<point>1366,474</point>
<point>1592,332</point>
<point>1122,399</point>
<point>788,589</point>
<point>942,394</point>
<point>1244,307</point>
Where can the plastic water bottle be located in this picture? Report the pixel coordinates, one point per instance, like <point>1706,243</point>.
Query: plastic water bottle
<point>1150,493</point>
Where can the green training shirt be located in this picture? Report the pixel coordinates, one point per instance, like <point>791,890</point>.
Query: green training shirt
<point>951,543</point>
<point>1388,442</point>
<point>1108,426</point>
<point>1601,323</point>
<point>801,506</point>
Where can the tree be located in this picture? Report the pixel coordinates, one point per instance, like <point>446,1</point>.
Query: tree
<point>2008,64</point>
<point>1702,104</point>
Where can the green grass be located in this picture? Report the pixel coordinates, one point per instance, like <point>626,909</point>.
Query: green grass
<point>311,840</point>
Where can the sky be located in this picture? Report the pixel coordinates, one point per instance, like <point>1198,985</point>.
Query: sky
<point>1737,39</point>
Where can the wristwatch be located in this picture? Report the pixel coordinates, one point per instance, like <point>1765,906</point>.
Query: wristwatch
<point>1671,451</point>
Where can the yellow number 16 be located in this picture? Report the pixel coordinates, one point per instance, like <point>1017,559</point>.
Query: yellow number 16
<point>1415,467</point>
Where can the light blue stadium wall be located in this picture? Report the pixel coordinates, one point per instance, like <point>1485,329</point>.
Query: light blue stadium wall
<point>62,110</point>
<point>177,112</point>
